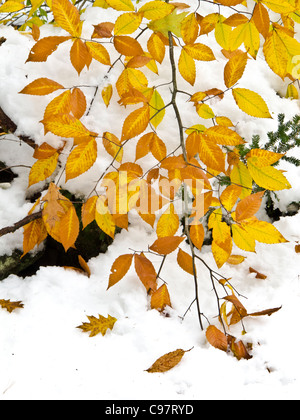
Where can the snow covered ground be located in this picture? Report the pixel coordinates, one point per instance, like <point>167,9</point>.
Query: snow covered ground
<point>44,356</point>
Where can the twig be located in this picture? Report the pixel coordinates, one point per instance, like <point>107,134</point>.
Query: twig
<point>21,223</point>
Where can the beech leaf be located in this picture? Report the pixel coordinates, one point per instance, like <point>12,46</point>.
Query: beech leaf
<point>167,361</point>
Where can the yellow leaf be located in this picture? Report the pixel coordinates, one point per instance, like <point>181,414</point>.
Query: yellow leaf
<point>156,104</point>
<point>127,23</point>
<point>234,69</point>
<point>240,176</point>
<point>34,233</point>
<point>69,228</point>
<point>211,154</point>
<point>204,111</point>
<point>156,47</point>
<point>229,196</point>
<point>113,146</point>
<point>242,239</point>
<point>223,34</point>
<point>235,259</point>
<point>98,52</point>
<point>263,232</point>
<point>279,6</point>
<point>81,159</point>
<point>65,126</point>
<point>199,52</point>
<point>224,136</point>
<point>42,169</point>
<point>41,86</point>
<point>157,148</point>
<point>135,123</point>
<point>153,10</point>
<point>187,67</point>
<point>267,177</point>
<point>276,54</point>
<point>251,103</point>
<point>59,105</point>
<point>98,325</point>
<point>189,29</point>
<point>121,5</point>
<point>67,17</point>
<point>168,223</point>
<point>107,94</point>
<point>261,157</point>
<point>11,6</point>
<point>104,218</point>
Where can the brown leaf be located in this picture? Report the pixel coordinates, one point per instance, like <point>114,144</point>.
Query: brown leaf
<point>84,265</point>
<point>297,249</point>
<point>216,338</point>
<point>10,306</point>
<point>258,274</point>
<point>268,312</point>
<point>185,261</point>
<point>167,361</point>
<point>238,349</point>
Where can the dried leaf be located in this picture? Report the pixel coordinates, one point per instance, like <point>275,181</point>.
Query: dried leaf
<point>167,361</point>
<point>98,325</point>
<point>160,298</point>
<point>119,268</point>
<point>258,274</point>
<point>216,338</point>
<point>10,306</point>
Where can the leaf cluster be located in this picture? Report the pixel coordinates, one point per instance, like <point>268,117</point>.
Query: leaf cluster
<point>211,174</point>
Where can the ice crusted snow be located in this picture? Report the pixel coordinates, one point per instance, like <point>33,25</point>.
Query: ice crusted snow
<point>44,356</point>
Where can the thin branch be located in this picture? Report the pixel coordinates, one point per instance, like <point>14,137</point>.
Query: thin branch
<point>21,223</point>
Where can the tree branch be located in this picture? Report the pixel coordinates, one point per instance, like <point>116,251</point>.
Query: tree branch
<point>9,126</point>
<point>21,223</point>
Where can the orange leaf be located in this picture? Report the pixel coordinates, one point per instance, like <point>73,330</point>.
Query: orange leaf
<point>249,206</point>
<point>156,47</point>
<point>119,268</point>
<point>88,211</point>
<point>78,103</point>
<point>45,47</point>
<point>168,223</point>
<point>59,105</point>
<point>166,245</point>
<point>135,123</point>
<point>10,306</point>
<point>160,298</point>
<point>41,86</point>
<point>185,261</point>
<point>197,235</point>
<point>79,55</point>
<point>64,125</point>
<point>84,265</point>
<point>216,338</point>
<point>146,272</point>
<point>127,46</point>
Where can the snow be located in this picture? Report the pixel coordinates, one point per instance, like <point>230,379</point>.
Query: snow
<point>44,356</point>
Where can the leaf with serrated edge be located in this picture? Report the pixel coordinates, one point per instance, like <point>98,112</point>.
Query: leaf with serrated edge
<point>167,361</point>
<point>119,268</point>
<point>98,325</point>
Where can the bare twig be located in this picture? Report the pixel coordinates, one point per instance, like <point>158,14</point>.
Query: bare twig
<point>21,223</point>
